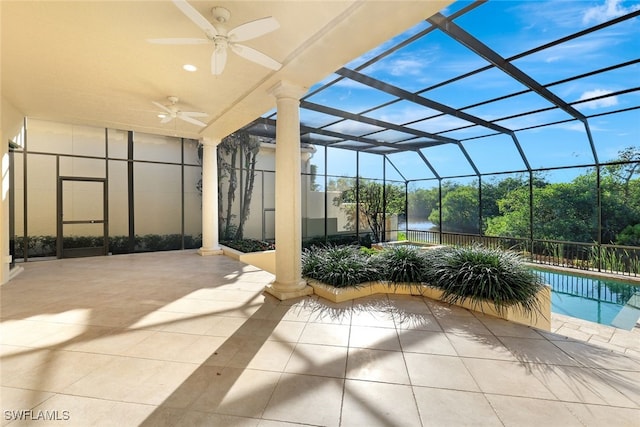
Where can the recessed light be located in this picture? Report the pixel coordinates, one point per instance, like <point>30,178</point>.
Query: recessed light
<point>189,67</point>
<point>162,116</point>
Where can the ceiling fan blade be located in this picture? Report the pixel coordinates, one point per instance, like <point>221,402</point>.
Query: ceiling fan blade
<point>194,114</point>
<point>196,17</point>
<point>191,120</point>
<point>256,56</point>
<point>218,60</point>
<point>166,119</point>
<point>253,29</point>
<point>178,41</point>
<point>162,107</point>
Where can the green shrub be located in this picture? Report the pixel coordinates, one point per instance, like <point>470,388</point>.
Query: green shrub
<point>150,242</point>
<point>119,244</point>
<point>71,242</point>
<point>369,251</point>
<point>401,264</point>
<point>192,242</point>
<point>479,274</point>
<point>434,259</point>
<point>339,240</point>
<point>248,245</point>
<point>41,246</point>
<point>339,266</point>
<point>312,261</point>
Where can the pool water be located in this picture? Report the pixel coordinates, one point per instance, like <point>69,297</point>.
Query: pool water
<point>608,302</point>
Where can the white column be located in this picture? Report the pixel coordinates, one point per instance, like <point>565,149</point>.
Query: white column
<point>210,244</point>
<point>288,282</point>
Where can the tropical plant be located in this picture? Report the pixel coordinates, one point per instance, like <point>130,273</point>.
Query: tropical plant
<point>478,274</point>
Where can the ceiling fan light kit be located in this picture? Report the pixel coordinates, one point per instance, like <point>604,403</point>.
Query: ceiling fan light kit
<point>220,14</point>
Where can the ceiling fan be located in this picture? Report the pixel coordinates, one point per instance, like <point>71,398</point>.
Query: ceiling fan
<point>223,39</point>
<point>172,111</point>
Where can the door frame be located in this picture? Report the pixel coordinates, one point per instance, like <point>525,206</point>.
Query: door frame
<point>61,252</point>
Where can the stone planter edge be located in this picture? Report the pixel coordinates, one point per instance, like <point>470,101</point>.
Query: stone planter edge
<point>540,320</point>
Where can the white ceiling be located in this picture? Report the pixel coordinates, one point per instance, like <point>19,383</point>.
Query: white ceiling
<point>89,62</point>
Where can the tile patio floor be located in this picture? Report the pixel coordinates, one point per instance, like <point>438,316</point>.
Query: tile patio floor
<point>177,339</point>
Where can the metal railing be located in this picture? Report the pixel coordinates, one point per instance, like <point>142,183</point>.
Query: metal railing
<point>613,259</point>
<point>590,288</point>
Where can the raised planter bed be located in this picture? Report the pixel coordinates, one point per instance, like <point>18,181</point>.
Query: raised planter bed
<point>264,260</point>
<point>541,320</point>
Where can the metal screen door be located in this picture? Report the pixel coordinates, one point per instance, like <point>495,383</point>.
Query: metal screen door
<point>82,217</point>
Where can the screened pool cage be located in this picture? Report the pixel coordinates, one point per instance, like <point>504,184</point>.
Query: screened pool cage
<point>527,140</point>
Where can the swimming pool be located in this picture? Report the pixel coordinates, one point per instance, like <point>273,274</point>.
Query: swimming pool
<point>608,302</point>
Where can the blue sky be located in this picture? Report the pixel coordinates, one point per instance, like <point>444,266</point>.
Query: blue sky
<point>509,28</point>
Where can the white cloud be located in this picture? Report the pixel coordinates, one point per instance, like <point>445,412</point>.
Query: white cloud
<point>407,66</point>
<point>608,101</point>
<point>572,126</point>
<point>576,49</point>
<point>547,17</point>
<point>609,10</point>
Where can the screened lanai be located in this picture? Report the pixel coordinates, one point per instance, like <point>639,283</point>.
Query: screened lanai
<point>527,136</point>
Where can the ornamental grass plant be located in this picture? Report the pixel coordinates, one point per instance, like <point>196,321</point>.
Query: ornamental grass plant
<point>402,264</point>
<point>339,266</point>
<point>474,274</point>
<point>478,274</point>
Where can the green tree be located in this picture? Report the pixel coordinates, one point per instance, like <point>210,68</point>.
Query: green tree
<point>566,211</point>
<point>459,208</point>
<point>626,167</point>
<point>493,190</point>
<point>342,184</point>
<point>371,208</point>
<point>620,196</point>
<point>562,211</point>
<point>629,236</point>
<point>250,148</point>
<point>513,220</point>
<point>239,147</point>
<point>422,202</point>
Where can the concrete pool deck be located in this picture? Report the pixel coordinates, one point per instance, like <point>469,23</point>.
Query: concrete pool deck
<point>173,338</point>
